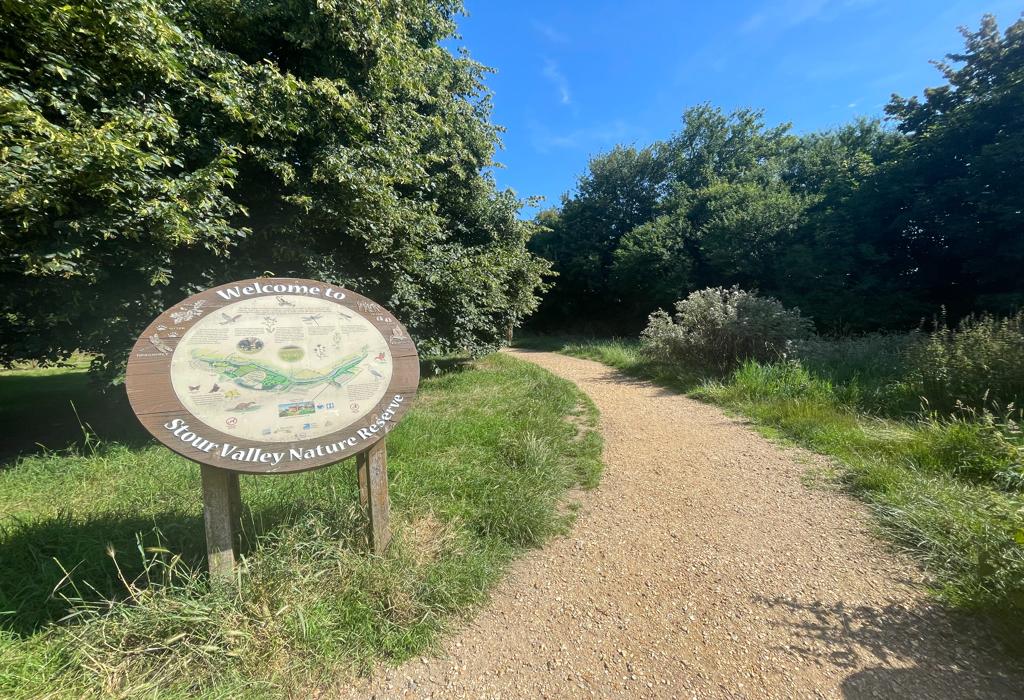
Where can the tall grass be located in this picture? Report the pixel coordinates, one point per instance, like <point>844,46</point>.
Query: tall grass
<point>979,364</point>
<point>102,582</point>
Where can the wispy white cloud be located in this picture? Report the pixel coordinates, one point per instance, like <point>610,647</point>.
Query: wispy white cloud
<point>554,74</point>
<point>550,33</point>
<point>788,13</point>
<point>785,14</point>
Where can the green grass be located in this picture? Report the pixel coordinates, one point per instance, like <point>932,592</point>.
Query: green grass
<point>102,589</point>
<point>949,490</point>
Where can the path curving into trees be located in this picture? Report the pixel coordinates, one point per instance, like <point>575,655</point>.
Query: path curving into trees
<point>705,566</point>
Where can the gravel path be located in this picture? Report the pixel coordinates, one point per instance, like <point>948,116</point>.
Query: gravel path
<point>703,567</point>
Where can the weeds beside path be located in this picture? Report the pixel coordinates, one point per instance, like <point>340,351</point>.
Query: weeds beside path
<point>703,566</point>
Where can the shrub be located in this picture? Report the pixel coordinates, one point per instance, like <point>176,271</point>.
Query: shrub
<point>719,328</point>
<point>979,364</point>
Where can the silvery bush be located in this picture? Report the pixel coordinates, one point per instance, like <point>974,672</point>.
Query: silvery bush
<point>719,328</point>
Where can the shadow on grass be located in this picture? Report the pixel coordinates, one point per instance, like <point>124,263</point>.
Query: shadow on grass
<point>915,651</point>
<point>36,558</point>
<point>436,366</point>
<point>42,411</point>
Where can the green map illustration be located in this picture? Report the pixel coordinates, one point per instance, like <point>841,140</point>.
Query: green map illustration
<point>281,368</point>
<point>253,374</point>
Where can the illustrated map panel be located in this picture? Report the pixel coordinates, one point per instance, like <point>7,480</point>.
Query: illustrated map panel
<point>281,368</point>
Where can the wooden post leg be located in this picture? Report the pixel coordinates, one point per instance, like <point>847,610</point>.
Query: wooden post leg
<point>222,505</point>
<point>363,475</point>
<point>372,468</point>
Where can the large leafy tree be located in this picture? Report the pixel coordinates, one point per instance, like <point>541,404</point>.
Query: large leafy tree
<point>619,192</point>
<point>928,216</point>
<point>955,192</point>
<point>726,212</point>
<point>151,147</point>
<point>863,227</point>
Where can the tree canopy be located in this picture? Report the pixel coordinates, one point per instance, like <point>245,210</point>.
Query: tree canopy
<point>153,147</point>
<point>870,225</point>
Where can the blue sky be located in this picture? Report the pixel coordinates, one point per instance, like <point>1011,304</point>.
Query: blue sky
<point>575,77</point>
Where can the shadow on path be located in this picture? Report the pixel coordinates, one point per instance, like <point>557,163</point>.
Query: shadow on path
<point>919,651</point>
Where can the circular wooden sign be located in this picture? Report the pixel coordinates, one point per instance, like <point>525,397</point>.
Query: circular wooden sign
<point>272,375</point>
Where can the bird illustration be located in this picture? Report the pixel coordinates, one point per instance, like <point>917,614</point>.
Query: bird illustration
<point>375,373</point>
<point>159,343</point>
<point>281,301</point>
<point>214,388</point>
<point>229,319</point>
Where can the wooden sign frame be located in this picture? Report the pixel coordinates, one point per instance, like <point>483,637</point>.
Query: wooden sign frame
<point>223,455</point>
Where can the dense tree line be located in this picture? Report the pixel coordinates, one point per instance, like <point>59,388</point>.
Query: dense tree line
<point>152,147</point>
<point>862,227</point>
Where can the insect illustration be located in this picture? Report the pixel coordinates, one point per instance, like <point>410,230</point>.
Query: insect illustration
<point>159,343</point>
<point>344,315</point>
<point>214,388</point>
<point>312,319</point>
<point>229,319</point>
<point>193,388</point>
<point>281,301</point>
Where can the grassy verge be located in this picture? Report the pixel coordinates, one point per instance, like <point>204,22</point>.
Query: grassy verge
<point>947,490</point>
<point>101,584</point>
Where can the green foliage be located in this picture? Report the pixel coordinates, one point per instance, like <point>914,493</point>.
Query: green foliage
<point>151,147</point>
<point>651,265</point>
<point>478,469</point>
<point>720,328</point>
